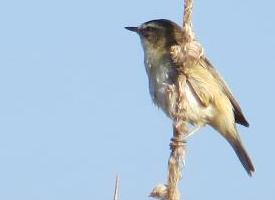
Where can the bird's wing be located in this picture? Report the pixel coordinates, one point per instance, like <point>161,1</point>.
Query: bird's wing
<point>218,84</point>
<point>204,78</point>
<point>203,83</point>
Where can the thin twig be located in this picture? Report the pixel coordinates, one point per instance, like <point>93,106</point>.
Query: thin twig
<point>176,160</point>
<point>180,129</point>
<point>116,193</point>
<point>187,21</point>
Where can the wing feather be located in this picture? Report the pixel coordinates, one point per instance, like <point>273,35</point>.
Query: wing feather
<point>238,114</point>
<point>202,83</point>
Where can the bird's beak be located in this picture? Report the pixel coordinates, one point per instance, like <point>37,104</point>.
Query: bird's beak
<point>134,29</point>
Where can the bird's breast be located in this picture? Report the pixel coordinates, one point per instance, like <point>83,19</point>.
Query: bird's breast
<point>162,79</point>
<point>162,76</point>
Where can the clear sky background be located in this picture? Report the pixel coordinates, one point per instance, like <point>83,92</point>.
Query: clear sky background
<point>75,108</point>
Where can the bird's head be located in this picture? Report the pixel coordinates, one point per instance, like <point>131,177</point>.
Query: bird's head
<point>158,34</point>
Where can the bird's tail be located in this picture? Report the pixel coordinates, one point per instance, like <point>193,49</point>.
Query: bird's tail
<point>242,154</point>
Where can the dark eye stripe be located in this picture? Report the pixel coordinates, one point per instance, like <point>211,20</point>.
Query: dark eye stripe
<point>150,29</point>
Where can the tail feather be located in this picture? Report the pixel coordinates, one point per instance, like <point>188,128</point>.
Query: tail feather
<point>242,155</point>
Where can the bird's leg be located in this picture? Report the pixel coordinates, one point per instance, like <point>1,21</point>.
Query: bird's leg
<point>198,127</point>
<point>181,127</point>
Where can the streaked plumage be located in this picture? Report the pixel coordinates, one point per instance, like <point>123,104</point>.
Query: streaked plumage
<point>207,98</point>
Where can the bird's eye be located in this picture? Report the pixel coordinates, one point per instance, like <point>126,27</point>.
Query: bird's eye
<point>149,29</point>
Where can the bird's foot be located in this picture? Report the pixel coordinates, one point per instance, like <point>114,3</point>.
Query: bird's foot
<point>181,128</point>
<point>192,132</point>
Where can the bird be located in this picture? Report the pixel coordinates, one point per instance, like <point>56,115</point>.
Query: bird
<point>208,99</point>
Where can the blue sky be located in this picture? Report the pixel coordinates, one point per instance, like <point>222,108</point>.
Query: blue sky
<point>75,108</point>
